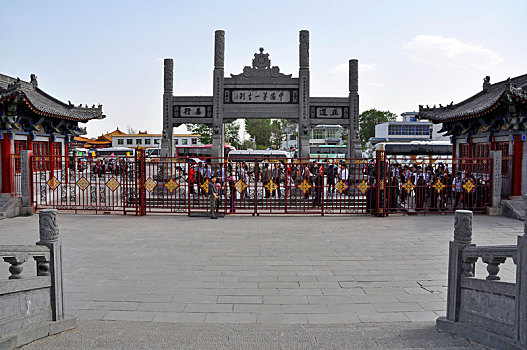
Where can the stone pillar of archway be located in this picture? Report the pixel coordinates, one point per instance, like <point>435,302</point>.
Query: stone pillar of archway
<point>168,126</point>
<point>303,105</point>
<point>353,142</point>
<point>217,99</point>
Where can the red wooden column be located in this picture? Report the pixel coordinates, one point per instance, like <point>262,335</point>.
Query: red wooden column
<point>517,159</point>
<point>30,142</point>
<point>51,160</point>
<point>7,167</point>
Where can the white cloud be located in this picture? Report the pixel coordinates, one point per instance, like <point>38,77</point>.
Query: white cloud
<point>443,52</point>
<point>344,68</point>
<point>376,85</point>
<point>367,67</point>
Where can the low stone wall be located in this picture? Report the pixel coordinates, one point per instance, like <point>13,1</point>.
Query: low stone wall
<point>31,297</point>
<point>489,311</point>
<point>24,301</point>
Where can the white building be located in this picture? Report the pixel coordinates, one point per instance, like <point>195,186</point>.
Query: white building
<point>319,135</point>
<point>407,130</point>
<point>146,140</point>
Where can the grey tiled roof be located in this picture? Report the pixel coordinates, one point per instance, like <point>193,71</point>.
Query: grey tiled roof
<point>479,103</point>
<point>44,104</point>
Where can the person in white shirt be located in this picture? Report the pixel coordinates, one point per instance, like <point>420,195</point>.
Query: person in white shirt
<point>457,186</point>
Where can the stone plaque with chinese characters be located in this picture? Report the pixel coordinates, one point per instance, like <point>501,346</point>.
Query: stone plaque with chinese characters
<point>192,111</point>
<point>261,96</point>
<point>330,112</point>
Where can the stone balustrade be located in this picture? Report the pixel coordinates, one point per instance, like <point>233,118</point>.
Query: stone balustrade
<point>489,311</point>
<point>493,256</point>
<point>16,256</point>
<point>31,302</point>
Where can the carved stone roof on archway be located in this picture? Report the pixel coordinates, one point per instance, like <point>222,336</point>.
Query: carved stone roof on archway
<point>261,69</point>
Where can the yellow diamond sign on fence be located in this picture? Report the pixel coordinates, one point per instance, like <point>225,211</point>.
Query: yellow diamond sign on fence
<point>240,186</point>
<point>341,186</point>
<point>271,186</point>
<point>205,186</point>
<point>363,186</point>
<point>150,184</point>
<point>83,183</point>
<point>171,185</point>
<point>304,186</point>
<point>469,186</point>
<point>53,183</point>
<point>408,186</point>
<point>113,184</point>
<point>439,186</point>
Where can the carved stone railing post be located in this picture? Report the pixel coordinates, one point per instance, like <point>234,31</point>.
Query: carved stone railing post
<point>456,268</point>
<point>49,237</point>
<point>521,286</point>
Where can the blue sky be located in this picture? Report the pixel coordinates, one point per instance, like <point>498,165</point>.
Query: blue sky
<point>111,52</point>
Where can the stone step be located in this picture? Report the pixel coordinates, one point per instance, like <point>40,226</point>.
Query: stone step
<point>9,206</point>
<point>514,209</point>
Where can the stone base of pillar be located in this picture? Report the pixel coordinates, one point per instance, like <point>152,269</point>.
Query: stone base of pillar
<point>165,149</point>
<point>303,146</point>
<point>217,146</point>
<point>163,175</point>
<point>494,211</point>
<point>27,211</point>
<point>357,150</point>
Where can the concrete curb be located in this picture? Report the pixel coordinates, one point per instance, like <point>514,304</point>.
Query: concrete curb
<point>28,335</point>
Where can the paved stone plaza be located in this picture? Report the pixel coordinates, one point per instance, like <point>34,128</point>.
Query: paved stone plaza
<point>274,270</point>
<point>104,335</point>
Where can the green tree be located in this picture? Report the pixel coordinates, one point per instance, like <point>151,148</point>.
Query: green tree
<point>265,132</point>
<point>277,132</point>
<point>367,121</point>
<point>232,134</point>
<point>260,131</point>
<point>203,130</point>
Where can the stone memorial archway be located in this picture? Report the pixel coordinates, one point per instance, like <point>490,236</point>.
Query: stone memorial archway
<point>261,91</point>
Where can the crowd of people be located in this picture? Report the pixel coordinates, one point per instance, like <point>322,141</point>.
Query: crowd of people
<point>435,187</point>
<point>406,186</point>
<point>314,184</point>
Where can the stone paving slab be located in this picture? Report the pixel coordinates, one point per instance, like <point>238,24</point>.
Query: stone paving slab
<point>265,270</point>
<point>110,335</point>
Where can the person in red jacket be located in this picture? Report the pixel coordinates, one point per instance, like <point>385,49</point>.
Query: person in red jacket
<point>191,177</point>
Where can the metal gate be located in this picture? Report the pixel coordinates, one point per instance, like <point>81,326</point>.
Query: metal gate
<point>269,186</point>
<point>377,186</point>
<point>85,183</point>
